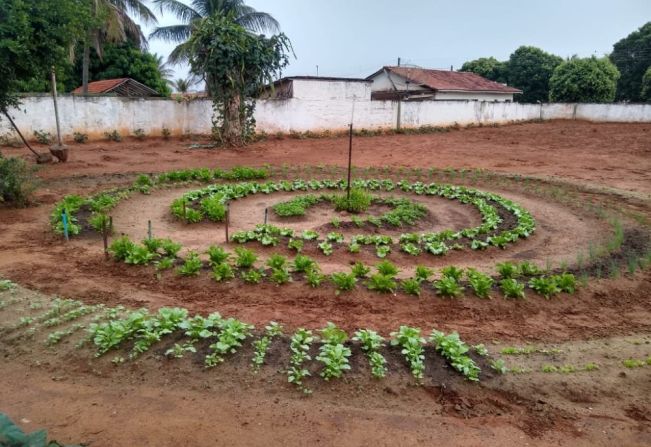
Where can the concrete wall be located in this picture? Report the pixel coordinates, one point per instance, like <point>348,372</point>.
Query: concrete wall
<point>96,115</point>
<point>480,96</point>
<point>313,89</point>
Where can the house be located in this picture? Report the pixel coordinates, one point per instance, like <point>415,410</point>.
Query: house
<point>118,87</point>
<point>417,84</point>
<point>319,88</point>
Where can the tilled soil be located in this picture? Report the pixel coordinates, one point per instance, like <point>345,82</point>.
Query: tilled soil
<point>156,402</point>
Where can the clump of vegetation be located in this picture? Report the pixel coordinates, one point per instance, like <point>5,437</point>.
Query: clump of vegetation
<point>371,343</point>
<point>343,282</point>
<point>333,354</point>
<point>300,347</point>
<point>296,206</point>
<point>409,339</point>
<point>113,135</point>
<point>43,137</point>
<point>80,137</point>
<point>17,181</point>
<point>139,134</point>
<point>261,346</point>
<point>358,202</point>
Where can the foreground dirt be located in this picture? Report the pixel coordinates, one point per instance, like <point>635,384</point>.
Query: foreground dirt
<point>157,402</point>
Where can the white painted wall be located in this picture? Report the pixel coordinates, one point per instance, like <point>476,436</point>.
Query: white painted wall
<point>478,96</point>
<point>313,89</point>
<point>96,115</point>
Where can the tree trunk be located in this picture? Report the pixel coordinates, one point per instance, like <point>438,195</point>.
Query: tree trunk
<point>85,68</point>
<point>232,126</point>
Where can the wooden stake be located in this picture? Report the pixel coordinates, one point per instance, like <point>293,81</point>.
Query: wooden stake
<point>228,216</point>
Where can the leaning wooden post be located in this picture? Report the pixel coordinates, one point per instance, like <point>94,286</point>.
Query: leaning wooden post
<point>350,161</point>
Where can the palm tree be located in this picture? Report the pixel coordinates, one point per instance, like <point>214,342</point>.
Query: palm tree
<point>165,71</point>
<point>244,15</point>
<point>116,26</point>
<point>182,85</point>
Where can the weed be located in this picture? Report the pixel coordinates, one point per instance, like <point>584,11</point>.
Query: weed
<point>80,137</point>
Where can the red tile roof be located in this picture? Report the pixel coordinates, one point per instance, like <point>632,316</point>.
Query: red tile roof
<point>448,80</point>
<point>103,86</point>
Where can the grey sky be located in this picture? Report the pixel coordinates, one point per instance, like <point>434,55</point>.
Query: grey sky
<point>354,38</point>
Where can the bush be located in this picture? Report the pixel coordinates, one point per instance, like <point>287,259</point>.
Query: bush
<point>43,137</point>
<point>17,181</point>
<point>80,137</point>
<point>359,201</point>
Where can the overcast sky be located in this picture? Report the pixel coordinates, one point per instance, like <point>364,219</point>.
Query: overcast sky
<point>354,38</point>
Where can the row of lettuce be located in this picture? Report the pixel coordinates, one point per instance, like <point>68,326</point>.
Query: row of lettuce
<point>99,205</point>
<point>211,202</point>
<point>222,337</point>
<point>114,328</point>
<point>279,269</point>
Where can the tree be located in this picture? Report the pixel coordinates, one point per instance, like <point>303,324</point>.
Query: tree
<point>182,85</point>
<point>112,23</point>
<point>489,68</point>
<point>190,16</point>
<point>584,80</point>
<point>236,66</point>
<point>646,85</point>
<point>126,61</point>
<point>35,35</point>
<point>530,69</point>
<point>632,56</point>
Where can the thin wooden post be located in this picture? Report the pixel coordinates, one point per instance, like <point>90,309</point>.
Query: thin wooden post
<point>350,160</point>
<point>149,230</point>
<point>228,216</point>
<point>105,227</point>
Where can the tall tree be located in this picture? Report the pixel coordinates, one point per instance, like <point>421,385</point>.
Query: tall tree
<point>584,80</point>
<point>237,66</point>
<point>632,55</point>
<point>646,85</point>
<point>112,23</point>
<point>126,60</point>
<point>489,68</point>
<point>530,69</point>
<point>191,15</point>
<point>35,35</point>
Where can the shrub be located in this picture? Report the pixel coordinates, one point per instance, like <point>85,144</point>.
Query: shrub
<point>358,202</point>
<point>114,135</point>
<point>17,181</point>
<point>80,137</point>
<point>43,137</point>
<point>139,134</point>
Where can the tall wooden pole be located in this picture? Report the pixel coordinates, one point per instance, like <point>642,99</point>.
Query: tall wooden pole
<point>350,159</point>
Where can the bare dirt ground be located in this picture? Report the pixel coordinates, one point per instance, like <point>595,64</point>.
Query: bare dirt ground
<point>157,402</point>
